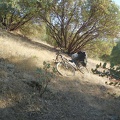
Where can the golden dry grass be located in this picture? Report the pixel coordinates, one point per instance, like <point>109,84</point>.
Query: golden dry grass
<point>15,49</point>
<point>27,55</point>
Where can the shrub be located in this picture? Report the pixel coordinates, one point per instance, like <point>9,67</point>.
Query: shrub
<point>115,55</point>
<point>105,57</point>
<point>111,72</point>
<point>44,76</point>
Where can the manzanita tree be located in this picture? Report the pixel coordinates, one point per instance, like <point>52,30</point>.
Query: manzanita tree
<point>15,13</point>
<point>71,23</point>
<point>74,23</point>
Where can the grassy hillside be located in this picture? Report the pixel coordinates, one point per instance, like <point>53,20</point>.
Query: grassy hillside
<point>23,48</point>
<point>83,97</point>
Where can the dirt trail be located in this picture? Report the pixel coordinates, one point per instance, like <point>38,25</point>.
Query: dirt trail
<point>83,97</point>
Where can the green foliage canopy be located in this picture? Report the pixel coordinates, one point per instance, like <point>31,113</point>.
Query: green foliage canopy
<point>100,48</point>
<point>72,24</point>
<point>15,13</point>
<point>115,54</point>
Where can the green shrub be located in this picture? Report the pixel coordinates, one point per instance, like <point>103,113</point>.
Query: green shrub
<point>100,49</point>
<point>105,57</point>
<point>111,72</point>
<point>43,77</point>
<point>115,55</point>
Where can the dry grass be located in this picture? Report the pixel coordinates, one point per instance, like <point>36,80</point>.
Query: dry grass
<point>3,74</point>
<point>14,48</point>
<point>27,55</point>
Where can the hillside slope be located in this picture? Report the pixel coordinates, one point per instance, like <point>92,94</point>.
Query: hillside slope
<point>83,97</point>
